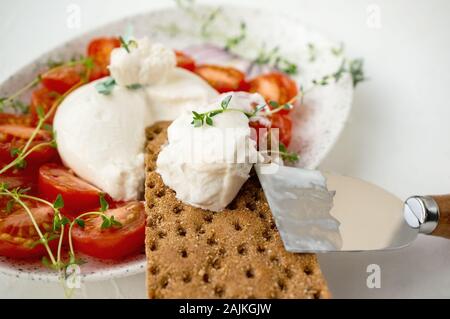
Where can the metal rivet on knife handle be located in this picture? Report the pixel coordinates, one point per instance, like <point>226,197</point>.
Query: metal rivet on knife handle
<point>430,214</point>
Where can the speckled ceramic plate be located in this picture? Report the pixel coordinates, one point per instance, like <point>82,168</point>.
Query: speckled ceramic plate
<point>317,123</point>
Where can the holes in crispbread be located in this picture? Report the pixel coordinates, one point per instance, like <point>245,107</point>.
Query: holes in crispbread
<point>164,282</point>
<point>251,206</point>
<point>208,218</point>
<point>153,246</point>
<point>177,209</point>
<point>260,249</point>
<point>160,192</point>
<point>219,291</point>
<point>183,253</point>
<point>288,272</point>
<point>266,235</point>
<point>181,231</point>
<point>308,270</point>
<point>206,278</point>
<point>237,226</point>
<point>154,270</point>
<point>242,249</point>
<point>187,278</point>
<point>281,284</point>
<point>250,273</point>
<point>211,241</point>
<point>216,264</point>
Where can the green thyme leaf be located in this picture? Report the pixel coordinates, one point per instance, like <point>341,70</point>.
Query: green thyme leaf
<point>274,104</point>
<point>356,71</point>
<point>205,32</point>
<point>59,202</point>
<point>10,205</point>
<point>103,203</point>
<point>127,44</point>
<point>80,222</point>
<point>225,102</point>
<point>105,87</point>
<point>21,164</point>
<point>337,51</point>
<point>47,263</point>
<point>209,121</point>
<point>214,113</point>
<point>88,63</point>
<point>286,155</point>
<point>197,123</point>
<point>14,152</point>
<point>312,51</point>
<point>40,112</point>
<point>114,222</point>
<point>134,86</point>
<point>106,222</point>
<point>232,42</point>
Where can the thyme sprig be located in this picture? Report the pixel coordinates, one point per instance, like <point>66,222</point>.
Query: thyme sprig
<point>108,221</point>
<point>234,41</point>
<point>17,196</point>
<point>204,29</point>
<point>286,155</point>
<point>200,119</point>
<point>273,58</point>
<point>11,101</point>
<point>127,44</point>
<point>354,67</point>
<point>21,154</point>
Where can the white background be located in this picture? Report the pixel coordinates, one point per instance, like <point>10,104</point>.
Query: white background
<point>397,137</point>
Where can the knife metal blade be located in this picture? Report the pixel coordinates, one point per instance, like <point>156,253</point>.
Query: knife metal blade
<point>317,212</point>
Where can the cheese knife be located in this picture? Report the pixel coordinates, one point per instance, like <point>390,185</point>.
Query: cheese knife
<point>321,212</point>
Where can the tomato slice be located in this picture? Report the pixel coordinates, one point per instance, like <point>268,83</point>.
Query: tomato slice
<point>223,79</point>
<point>6,118</point>
<point>20,179</point>
<point>185,61</point>
<point>100,50</point>
<point>113,243</point>
<point>18,237</point>
<point>284,124</point>
<point>79,196</point>
<point>44,98</point>
<point>276,87</point>
<point>62,79</point>
<point>14,136</point>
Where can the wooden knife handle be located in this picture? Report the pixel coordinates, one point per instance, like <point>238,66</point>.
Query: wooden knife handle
<point>443,227</point>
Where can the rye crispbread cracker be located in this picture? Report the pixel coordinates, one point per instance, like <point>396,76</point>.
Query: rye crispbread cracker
<point>236,253</point>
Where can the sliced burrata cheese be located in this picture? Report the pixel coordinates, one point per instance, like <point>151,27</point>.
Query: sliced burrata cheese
<point>207,165</point>
<point>101,138</point>
<point>182,90</point>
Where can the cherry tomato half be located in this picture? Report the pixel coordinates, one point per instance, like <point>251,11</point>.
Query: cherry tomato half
<point>223,79</point>
<point>100,50</point>
<point>275,86</point>
<point>78,195</point>
<point>62,79</point>
<point>113,242</point>
<point>185,61</point>
<point>44,98</point>
<point>284,124</point>
<point>13,136</point>
<point>18,237</point>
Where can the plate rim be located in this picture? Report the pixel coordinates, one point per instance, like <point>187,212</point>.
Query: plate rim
<point>139,266</point>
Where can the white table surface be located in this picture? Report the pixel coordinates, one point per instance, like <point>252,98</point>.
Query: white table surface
<point>397,136</point>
